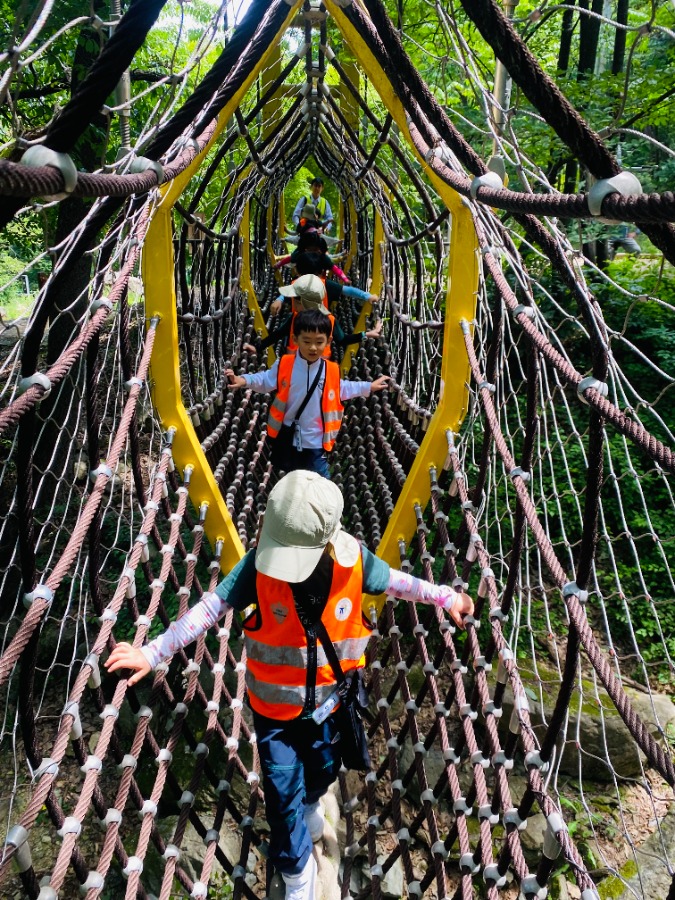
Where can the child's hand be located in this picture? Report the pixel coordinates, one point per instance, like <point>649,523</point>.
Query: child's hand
<point>375,331</point>
<point>459,605</point>
<point>276,307</point>
<point>124,656</point>
<point>234,382</point>
<point>379,384</point>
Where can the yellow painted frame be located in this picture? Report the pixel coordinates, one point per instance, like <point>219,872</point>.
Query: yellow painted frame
<point>375,288</point>
<point>160,300</point>
<point>461,299</point>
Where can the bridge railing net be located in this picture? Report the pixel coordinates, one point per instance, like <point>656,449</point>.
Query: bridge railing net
<point>99,518</point>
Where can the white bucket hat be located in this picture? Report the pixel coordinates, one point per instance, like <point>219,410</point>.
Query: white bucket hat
<point>308,288</point>
<point>303,515</point>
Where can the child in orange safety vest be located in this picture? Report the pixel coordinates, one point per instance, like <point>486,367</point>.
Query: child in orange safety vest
<point>306,578</point>
<point>309,394</point>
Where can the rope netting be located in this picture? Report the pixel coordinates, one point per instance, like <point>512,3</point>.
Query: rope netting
<point>530,754</point>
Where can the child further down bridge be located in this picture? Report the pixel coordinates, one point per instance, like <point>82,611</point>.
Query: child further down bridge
<point>306,574</point>
<point>307,376</point>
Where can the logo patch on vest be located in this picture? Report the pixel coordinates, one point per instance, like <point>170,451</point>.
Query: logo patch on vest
<point>279,611</point>
<point>343,609</point>
<point>331,395</point>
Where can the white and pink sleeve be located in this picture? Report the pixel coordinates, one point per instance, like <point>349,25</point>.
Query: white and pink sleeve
<point>407,587</point>
<point>186,629</point>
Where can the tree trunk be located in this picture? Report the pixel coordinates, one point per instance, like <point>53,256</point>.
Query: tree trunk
<point>566,32</point>
<point>620,37</point>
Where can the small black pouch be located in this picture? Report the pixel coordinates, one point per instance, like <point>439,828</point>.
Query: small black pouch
<point>282,452</point>
<point>349,718</point>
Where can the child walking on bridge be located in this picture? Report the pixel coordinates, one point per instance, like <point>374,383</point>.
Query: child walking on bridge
<point>306,578</point>
<point>306,412</point>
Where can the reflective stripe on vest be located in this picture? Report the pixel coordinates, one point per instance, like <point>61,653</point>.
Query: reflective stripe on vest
<point>276,667</point>
<point>331,405</point>
<point>277,408</point>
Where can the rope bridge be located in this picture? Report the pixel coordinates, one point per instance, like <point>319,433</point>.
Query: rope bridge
<point>523,451</point>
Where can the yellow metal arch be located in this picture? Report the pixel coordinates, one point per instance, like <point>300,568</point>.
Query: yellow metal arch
<point>460,304</point>
<point>160,300</point>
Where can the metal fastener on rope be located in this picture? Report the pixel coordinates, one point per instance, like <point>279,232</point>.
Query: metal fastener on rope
<point>141,164</point>
<point>39,592</point>
<point>552,846</point>
<point>625,183</point>
<point>485,812</point>
<point>38,156</point>
<point>149,808</point>
<point>199,889</point>
<point>487,386</point>
<point>530,887</point>
<point>129,761</point>
<point>491,874</point>
<point>71,825</point>
<point>533,760</point>
<point>112,817</point>
<point>512,817</point>
<point>38,379</point>
<point>133,382</point>
<point>98,303</point>
<point>489,180</point>
<point>522,310</point>
<point>100,470</point>
<point>517,472</point>
<point>17,838</point>
<point>94,881</point>
<point>171,852</point>
<point>94,680</point>
<point>134,864</point>
<point>573,589</point>
<point>589,382</point>
<point>47,892</point>
<point>92,764</point>
<point>468,864</point>
<point>73,709</point>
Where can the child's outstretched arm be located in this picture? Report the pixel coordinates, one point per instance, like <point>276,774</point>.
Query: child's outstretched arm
<point>406,586</point>
<point>379,384</point>
<point>234,382</point>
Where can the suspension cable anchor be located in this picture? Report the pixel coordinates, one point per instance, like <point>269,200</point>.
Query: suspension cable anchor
<point>17,837</point>
<point>39,156</point>
<point>625,183</point>
<point>573,589</point>
<point>38,379</point>
<point>489,180</point>
<point>589,382</point>
<point>141,164</point>
<point>39,592</point>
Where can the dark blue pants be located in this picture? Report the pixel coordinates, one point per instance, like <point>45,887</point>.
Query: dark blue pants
<point>312,460</point>
<point>299,762</point>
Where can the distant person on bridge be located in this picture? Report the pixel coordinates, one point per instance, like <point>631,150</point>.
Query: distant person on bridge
<point>306,579</point>
<point>308,292</point>
<point>323,212</point>
<point>306,412</point>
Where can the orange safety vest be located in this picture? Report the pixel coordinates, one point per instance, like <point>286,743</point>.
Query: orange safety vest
<point>277,676</point>
<point>331,406</point>
<point>292,343</point>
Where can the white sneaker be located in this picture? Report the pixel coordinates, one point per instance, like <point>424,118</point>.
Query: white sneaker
<point>303,885</point>
<point>315,820</point>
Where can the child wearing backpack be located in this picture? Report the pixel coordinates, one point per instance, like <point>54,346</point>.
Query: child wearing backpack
<point>306,412</point>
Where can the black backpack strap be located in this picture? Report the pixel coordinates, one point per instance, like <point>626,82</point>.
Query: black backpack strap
<point>310,391</point>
